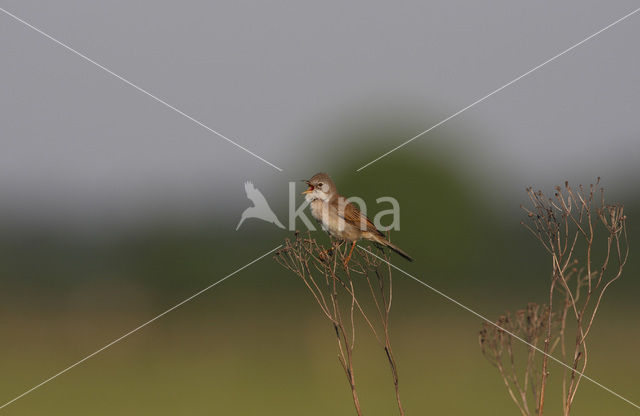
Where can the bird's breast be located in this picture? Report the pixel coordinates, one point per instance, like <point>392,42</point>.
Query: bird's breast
<point>332,222</point>
<point>317,209</point>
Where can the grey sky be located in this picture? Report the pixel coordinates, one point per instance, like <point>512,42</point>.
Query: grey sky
<point>270,74</point>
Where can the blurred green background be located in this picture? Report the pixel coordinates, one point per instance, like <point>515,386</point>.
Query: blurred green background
<point>113,208</point>
<point>257,344</point>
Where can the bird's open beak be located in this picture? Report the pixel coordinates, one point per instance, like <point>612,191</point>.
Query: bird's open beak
<point>308,191</point>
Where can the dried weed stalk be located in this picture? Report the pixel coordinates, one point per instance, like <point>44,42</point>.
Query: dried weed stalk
<point>338,289</point>
<point>586,241</point>
<point>499,347</point>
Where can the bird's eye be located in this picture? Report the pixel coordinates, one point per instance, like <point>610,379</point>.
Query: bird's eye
<point>320,184</point>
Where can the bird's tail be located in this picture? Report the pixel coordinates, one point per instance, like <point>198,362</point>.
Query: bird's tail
<point>387,243</point>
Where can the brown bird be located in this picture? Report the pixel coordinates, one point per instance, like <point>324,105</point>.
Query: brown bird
<point>341,218</point>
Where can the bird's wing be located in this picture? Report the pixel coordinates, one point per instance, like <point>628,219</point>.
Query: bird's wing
<point>353,216</point>
<point>248,187</point>
<point>255,195</point>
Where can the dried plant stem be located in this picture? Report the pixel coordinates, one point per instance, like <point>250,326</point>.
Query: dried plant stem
<point>545,359</point>
<point>345,352</point>
<point>331,281</point>
<point>384,312</point>
<point>567,224</point>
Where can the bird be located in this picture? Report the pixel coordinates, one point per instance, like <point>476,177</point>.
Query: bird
<point>340,217</point>
<point>260,208</point>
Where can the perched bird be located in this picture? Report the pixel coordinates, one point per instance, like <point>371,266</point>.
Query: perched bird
<point>341,218</point>
<point>260,208</point>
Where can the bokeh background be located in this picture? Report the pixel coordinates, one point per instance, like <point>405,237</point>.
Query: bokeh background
<point>114,208</point>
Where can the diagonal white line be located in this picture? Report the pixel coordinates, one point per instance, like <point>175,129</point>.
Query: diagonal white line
<point>449,298</point>
<point>86,58</point>
<point>501,88</point>
<point>138,328</point>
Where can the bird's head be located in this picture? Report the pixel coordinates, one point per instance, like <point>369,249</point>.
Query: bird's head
<point>320,187</point>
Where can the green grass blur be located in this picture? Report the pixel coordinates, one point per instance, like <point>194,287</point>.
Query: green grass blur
<point>258,345</point>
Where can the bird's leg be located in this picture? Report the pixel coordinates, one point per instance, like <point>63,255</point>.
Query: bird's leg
<point>353,245</point>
